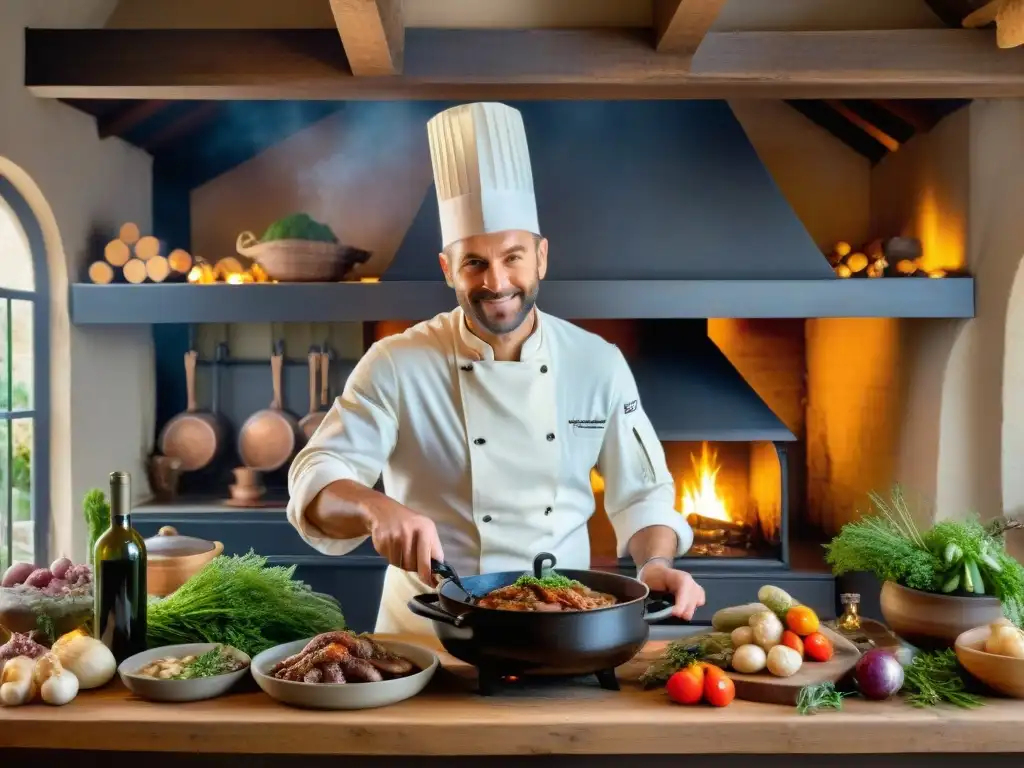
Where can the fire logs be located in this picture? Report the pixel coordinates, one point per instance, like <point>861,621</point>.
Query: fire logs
<point>891,257</point>
<point>134,258</point>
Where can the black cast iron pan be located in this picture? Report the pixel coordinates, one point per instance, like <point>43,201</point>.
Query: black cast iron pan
<point>540,643</point>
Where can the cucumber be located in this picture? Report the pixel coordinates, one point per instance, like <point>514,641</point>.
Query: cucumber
<point>728,619</point>
<point>777,600</point>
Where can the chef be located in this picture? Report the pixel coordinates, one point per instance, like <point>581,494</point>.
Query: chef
<point>485,422</point>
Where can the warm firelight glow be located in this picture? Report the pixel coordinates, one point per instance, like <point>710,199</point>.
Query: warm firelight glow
<point>701,497</point>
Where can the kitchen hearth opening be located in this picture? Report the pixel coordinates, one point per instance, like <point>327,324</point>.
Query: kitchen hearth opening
<point>731,494</point>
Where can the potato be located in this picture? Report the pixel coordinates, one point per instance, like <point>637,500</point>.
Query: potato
<point>783,661</point>
<point>767,629</point>
<point>742,636</point>
<point>749,659</point>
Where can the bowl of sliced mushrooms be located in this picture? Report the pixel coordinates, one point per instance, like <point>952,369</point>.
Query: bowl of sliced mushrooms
<point>189,672</point>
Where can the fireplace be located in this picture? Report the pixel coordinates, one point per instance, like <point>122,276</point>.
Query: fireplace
<point>733,496</point>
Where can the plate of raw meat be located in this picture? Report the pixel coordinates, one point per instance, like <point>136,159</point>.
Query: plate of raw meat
<point>344,670</point>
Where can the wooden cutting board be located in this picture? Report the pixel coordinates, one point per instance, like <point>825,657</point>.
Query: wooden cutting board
<point>769,689</point>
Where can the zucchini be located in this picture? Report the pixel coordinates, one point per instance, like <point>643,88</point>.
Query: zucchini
<point>728,619</point>
<point>952,582</point>
<point>777,600</point>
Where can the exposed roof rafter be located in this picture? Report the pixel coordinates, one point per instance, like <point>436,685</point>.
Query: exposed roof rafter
<point>373,35</point>
<point>681,25</point>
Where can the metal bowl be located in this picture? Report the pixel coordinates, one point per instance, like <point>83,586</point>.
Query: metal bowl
<point>198,689</point>
<point>344,695</point>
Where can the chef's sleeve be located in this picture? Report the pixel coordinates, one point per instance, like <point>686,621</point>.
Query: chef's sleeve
<point>638,490</point>
<point>354,442</point>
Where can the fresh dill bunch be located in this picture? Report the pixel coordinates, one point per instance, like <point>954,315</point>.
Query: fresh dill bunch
<point>876,545</point>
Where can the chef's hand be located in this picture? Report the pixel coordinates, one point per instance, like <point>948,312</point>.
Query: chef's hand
<point>406,539</point>
<point>689,594</point>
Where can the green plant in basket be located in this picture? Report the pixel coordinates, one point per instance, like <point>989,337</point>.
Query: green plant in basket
<point>961,557</point>
<point>299,226</point>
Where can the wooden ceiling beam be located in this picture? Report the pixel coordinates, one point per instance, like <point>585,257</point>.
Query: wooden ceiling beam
<point>520,64</point>
<point>681,25</point>
<point>825,116</point>
<point>372,34</point>
<point>124,120</point>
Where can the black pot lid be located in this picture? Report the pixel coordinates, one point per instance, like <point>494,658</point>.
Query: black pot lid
<point>168,543</point>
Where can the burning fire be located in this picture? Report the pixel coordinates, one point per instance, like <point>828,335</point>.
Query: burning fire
<point>701,497</point>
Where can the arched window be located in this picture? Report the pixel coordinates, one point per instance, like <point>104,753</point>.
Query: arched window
<point>24,383</point>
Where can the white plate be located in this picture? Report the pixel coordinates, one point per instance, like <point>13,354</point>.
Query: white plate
<point>344,695</point>
<point>155,689</point>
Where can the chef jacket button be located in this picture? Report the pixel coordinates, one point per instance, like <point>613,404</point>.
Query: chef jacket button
<point>479,441</point>
<point>543,369</point>
<point>547,510</point>
<point>467,367</point>
<point>551,436</point>
<point>486,518</point>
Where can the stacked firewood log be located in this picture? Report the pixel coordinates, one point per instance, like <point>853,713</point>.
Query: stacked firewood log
<point>891,257</point>
<point>135,258</point>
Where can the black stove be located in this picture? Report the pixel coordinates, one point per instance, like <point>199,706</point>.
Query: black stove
<point>491,681</point>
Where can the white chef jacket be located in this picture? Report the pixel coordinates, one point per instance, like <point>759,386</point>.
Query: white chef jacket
<point>498,454</point>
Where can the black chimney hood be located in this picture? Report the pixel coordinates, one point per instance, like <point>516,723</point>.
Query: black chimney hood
<point>651,190</point>
<point>691,391</point>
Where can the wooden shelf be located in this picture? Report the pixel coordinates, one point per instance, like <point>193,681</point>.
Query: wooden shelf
<point>571,299</point>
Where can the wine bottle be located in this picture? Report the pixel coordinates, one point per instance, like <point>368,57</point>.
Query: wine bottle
<point>120,577</point>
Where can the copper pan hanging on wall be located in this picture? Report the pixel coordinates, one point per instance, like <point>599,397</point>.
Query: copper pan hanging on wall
<point>193,436</point>
<point>268,438</point>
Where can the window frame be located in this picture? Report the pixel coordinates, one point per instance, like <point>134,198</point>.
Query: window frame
<point>40,411</point>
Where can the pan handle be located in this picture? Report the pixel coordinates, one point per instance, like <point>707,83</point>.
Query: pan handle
<point>538,564</point>
<point>427,606</point>
<point>655,599</point>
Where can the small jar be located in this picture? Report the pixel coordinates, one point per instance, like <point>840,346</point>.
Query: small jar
<point>850,620</point>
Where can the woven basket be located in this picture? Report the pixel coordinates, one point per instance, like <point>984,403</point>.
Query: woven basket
<point>298,261</point>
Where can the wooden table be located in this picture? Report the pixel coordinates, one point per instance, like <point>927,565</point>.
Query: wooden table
<point>450,719</point>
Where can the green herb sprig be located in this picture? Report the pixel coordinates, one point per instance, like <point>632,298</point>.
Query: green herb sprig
<point>712,647</point>
<point>218,661</point>
<point>934,678</point>
<point>814,698</point>
<point>96,510</point>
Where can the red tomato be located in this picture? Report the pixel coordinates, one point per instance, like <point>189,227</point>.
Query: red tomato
<point>817,647</point>
<point>792,639</point>
<point>686,686</point>
<point>719,690</point>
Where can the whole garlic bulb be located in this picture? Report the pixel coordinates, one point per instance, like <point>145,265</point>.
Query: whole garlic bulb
<point>88,658</point>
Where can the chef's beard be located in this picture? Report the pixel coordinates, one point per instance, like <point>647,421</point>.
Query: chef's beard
<point>473,305</point>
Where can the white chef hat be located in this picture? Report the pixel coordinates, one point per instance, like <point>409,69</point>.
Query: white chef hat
<point>481,171</point>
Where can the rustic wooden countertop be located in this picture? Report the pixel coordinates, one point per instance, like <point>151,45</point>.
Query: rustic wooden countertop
<point>450,719</point>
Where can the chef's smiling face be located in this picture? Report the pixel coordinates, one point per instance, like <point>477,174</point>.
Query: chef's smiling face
<point>496,277</point>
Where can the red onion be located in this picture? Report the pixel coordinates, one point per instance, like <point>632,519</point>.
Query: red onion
<point>878,674</point>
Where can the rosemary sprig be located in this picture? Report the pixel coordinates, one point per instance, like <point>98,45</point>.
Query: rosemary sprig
<point>934,678</point>
<point>813,698</point>
<point>712,647</point>
<point>217,661</point>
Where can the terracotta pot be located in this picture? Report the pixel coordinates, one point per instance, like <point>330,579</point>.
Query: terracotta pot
<point>171,560</point>
<point>934,621</point>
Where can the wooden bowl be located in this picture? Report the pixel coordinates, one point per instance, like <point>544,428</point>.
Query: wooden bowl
<point>1000,673</point>
<point>934,621</point>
